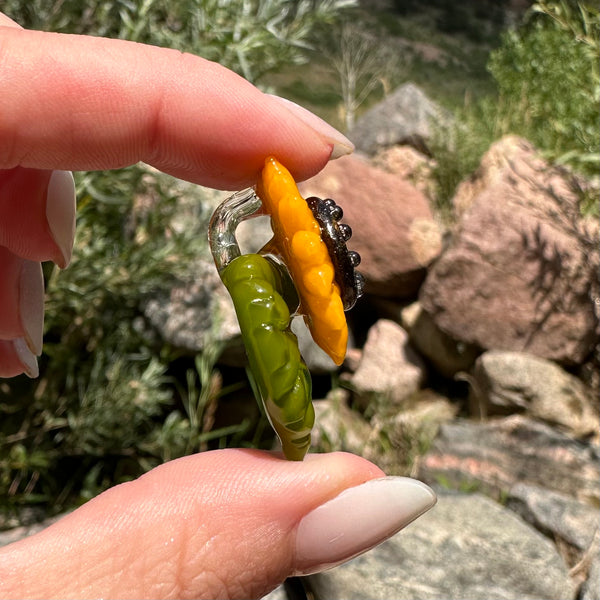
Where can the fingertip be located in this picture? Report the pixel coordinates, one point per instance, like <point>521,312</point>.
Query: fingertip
<point>60,213</point>
<point>358,519</point>
<point>16,358</point>
<point>26,358</point>
<point>339,143</point>
<point>219,524</point>
<point>31,304</point>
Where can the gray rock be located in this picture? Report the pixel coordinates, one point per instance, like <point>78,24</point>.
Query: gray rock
<point>521,273</point>
<point>507,382</point>
<point>556,515</point>
<point>591,588</point>
<point>404,436</point>
<point>196,312</point>
<point>15,534</point>
<point>404,117</point>
<point>253,234</point>
<point>393,442</point>
<point>337,427</point>
<point>447,355</point>
<point>494,456</point>
<point>466,547</point>
<point>389,370</point>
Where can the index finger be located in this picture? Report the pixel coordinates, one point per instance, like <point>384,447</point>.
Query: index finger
<point>83,103</point>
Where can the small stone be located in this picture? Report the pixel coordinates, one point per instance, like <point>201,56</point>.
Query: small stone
<point>389,369</point>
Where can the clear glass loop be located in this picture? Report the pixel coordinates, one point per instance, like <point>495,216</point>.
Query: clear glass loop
<point>228,215</point>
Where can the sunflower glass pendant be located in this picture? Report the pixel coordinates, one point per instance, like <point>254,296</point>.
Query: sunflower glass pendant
<point>305,269</point>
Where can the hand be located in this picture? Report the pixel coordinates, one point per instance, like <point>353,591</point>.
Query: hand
<point>83,103</point>
<point>220,524</point>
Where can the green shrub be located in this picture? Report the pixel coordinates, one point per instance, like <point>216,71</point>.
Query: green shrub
<point>548,92</point>
<point>251,37</point>
<point>548,81</point>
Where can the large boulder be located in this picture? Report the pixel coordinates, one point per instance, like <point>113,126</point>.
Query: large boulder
<point>404,117</point>
<point>556,515</point>
<point>467,546</point>
<point>494,456</point>
<point>522,270</point>
<point>393,227</point>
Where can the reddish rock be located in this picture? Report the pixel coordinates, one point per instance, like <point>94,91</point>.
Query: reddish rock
<point>389,368</point>
<point>521,272</point>
<point>393,227</point>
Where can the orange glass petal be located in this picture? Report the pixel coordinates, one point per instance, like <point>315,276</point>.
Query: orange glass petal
<point>297,236</point>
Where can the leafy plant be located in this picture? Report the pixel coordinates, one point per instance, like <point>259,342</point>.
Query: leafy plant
<point>548,92</point>
<point>549,83</point>
<point>251,37</point>
<point>457,144</point>
<point>361,64</point>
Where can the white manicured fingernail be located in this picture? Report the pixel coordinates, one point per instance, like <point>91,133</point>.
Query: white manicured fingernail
<point>31,304</point>
<point>60,213</point>
<point>341,144</point>
<point>357,520</point>
<point>26,358</point>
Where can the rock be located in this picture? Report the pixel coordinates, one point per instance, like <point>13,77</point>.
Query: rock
<point>253,234</point>
<point>278,593</point>
<point>393,227</point>
<point>521,271</point>
<point>409,432</point>
<point>494,456</point>
<point>507,382</point>
<point>555,515</point>
<point>467,546</point>
<point>446,354</point>
<point>491,171</point>
<point>405,116</point>
<point>421,420</point>
<point>591,588</point>
<point>389,369</point>
<point>337,427</point>
<point>394,443</point>
<point>195,313</point>
<point>18,533</point>
<point>409,164</point>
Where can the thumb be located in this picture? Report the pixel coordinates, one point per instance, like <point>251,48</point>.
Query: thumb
<point>222,524</point>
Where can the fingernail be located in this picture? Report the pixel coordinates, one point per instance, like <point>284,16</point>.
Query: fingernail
<point>341,144</point>
<point>31,304</point>
<point>357,520</point>
<point>26,358</point>
<point>60,213</point>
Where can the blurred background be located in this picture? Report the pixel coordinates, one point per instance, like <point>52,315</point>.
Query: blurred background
<point>473,359</point>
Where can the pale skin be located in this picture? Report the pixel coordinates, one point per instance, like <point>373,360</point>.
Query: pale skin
<point>215,525</point>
